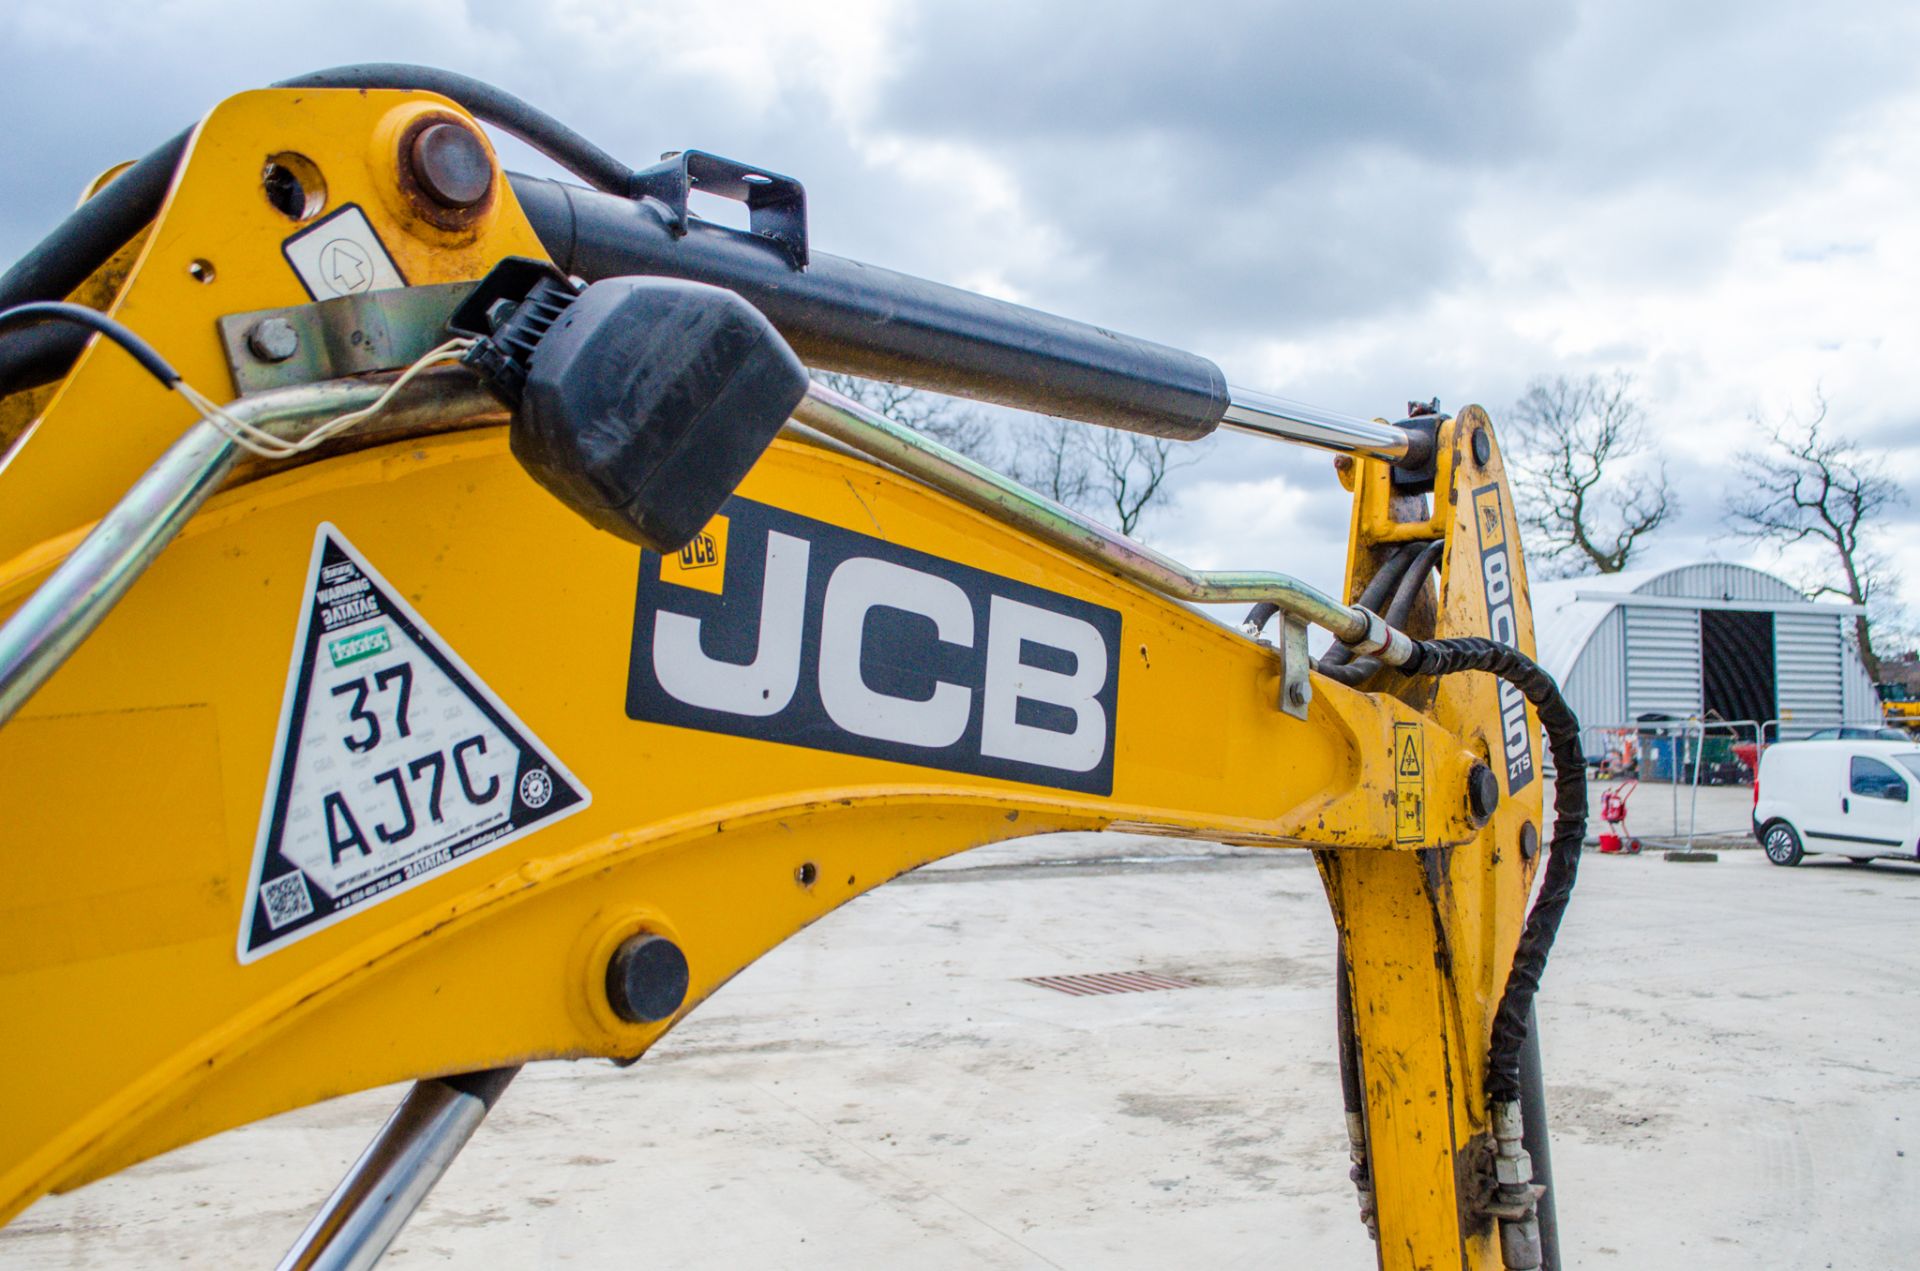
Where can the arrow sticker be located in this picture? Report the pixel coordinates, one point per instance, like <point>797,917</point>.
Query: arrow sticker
<point>341,256</point>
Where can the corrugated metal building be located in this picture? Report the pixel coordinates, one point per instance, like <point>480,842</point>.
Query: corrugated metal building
<point>1712,640</point>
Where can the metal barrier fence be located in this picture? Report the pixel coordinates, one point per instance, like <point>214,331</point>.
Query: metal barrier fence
<point>1691,752</point>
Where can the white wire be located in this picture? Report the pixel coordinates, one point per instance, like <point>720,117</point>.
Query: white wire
<point>256,440</point>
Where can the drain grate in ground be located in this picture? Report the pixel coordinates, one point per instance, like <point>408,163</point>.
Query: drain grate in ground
<point>1110,982</point>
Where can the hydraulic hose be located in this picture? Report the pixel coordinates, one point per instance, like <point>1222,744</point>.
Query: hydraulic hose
<point>1384,580</point>
<point>1562,729</point>
<point>1402,575</point>
<point>1412,581</point>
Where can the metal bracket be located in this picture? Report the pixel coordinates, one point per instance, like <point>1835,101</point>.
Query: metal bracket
<point>776,205</point>
<point>332,339</point>
<point>1296,683</point>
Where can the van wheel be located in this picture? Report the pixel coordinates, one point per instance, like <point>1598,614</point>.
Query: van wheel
<point>1782,844</point>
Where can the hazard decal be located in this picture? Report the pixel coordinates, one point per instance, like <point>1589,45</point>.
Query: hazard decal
<point>1409,784</point>
<point>394,761</point>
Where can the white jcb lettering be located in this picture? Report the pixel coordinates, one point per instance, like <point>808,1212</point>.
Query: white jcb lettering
<point>1009,681</point>
<point>859,585</point>
<point>763,686</point>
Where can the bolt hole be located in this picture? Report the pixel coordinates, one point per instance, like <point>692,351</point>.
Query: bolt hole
<point>201,271</point>
<point>755,178</point>
<point>293,185</point>
<point>806,874</point>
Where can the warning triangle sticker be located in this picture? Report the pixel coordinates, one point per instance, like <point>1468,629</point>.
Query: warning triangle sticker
<point>394,763</point>
<point>1409,759</point>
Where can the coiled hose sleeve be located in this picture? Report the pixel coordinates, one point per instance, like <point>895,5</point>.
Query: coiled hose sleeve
<point>1562,729</point>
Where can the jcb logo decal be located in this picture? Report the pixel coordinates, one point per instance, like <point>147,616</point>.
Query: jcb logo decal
<point>1496,576</point>
<point>701,563</point>
<point>825,638</point>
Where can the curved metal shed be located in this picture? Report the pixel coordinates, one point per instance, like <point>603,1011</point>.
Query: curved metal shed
<point>1693,639</point>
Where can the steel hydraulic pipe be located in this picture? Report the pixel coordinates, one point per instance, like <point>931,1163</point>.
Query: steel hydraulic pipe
<point>393,1176</point>
<point>84,588</point>
<point>1004,499</point>
<point>1533,1110</point>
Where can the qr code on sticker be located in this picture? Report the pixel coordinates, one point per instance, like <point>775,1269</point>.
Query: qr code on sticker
<point>286,898</point>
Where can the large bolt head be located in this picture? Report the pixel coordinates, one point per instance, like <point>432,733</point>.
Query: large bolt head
<point>451,165</point>
<point>1483,793</point>
<point>647,979</point>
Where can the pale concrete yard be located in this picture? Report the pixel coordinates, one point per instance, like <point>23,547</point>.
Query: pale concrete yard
<point>1732,1054</point>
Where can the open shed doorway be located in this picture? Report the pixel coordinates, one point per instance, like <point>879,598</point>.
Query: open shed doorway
<point>1736,665</point>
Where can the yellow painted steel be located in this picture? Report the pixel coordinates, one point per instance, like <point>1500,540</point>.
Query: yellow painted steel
<point>1429,935</point>
<point>133,784</point>
<point>110,419</point>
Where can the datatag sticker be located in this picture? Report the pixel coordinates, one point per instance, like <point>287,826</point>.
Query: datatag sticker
<point>394,761</point>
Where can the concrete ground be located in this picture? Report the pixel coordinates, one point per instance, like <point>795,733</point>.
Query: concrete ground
<point>1731,1048</point>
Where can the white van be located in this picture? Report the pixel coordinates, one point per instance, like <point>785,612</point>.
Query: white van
<point>1852,798</point>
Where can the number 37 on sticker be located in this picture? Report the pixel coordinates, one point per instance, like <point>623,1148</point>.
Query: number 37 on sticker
<point>479,782</point>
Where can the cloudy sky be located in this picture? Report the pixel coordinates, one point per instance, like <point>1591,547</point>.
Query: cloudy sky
<point>1352,205</point>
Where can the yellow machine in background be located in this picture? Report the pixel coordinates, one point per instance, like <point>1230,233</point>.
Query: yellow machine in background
<point>344,744</point>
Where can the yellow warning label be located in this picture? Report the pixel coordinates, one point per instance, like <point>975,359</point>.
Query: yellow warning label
<point>701,564</point>
<point>1409,784</point>
<point>1493,526</point>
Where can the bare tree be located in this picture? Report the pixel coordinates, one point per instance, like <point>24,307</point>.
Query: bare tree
<point>953,424</point>
<point>1583,501</point>
<point>1808,487</point>
<point>1113,475</point>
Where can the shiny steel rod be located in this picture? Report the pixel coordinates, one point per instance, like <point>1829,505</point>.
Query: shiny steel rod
<point>79,594</point>
<point>1004,499</point>
<point>1264,415</point>
<point>393,1176</point>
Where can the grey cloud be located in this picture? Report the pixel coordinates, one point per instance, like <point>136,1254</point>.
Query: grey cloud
<point>1284,81</point>
<point>1287,167</point>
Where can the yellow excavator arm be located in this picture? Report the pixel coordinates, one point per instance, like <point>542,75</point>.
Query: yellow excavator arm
<point>487,644</point>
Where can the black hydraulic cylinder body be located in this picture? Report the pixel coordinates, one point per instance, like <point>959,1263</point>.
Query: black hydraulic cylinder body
<point>841,315</point>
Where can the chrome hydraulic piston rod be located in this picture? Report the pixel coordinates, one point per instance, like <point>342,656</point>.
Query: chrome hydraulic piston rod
<point>395,1173</point>
<point>1264,415</point>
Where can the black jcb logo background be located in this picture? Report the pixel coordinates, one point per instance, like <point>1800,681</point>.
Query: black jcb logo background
<point>824,638</point>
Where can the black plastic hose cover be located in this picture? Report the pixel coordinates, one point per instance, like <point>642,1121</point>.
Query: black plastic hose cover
<point>648,401</point>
